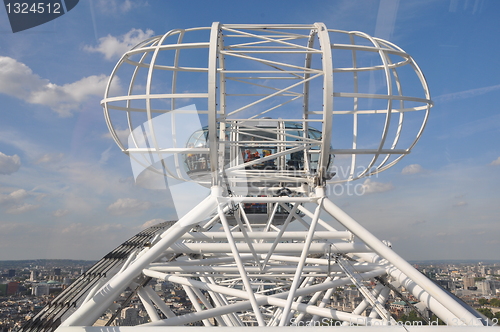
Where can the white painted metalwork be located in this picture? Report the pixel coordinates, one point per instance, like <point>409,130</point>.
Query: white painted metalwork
<point>260,82</point>
<point>267,247</point>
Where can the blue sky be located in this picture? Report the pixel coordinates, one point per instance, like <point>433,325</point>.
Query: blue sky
<point>66,190</point>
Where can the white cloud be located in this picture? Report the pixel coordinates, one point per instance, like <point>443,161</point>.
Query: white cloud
<point>28,239</point>
<point>77,202</point>
<point>466,94</point>
<point>9,227</point>
<point>118,7</point>
<point>9,164</point>
<point>412,169</point>
<point>495,162</point>
<point>114,47</point>
<point>18,209</point>
<point>371,187</point>
<point>19,140</point>
<point>151,179</point>
<point>60,213</point>
<point>40,197</point>
<point>18,80</point>
<point>105,156</point>
<point>125,206</point>
<point>80,229</point>
<point>126,5</point>
<point>14,197</point>
<point>50,158</point>
<point>86,178</point>
<point>418,222</point>
<point>151,222</point>
<point>67,98</point>
<point>461,203</point>
<point>14,202</point>
<point>121,133</point>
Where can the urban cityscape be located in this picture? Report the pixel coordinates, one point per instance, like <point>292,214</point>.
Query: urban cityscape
<point>231,139</point>
<point>27,286</point>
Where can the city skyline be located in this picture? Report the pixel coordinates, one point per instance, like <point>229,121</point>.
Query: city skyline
<point>27,287</point>
<point>66,190</point>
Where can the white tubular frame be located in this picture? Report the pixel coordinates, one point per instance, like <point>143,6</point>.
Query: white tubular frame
<point>245,279</point>
<point>240,266</point>
<point>291,72</point>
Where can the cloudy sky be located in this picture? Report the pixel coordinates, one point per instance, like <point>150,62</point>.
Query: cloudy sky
<point>66,190</point>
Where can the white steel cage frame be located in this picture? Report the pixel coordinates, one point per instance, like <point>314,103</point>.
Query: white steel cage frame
<point>271,57</point>
<point>241,271</point>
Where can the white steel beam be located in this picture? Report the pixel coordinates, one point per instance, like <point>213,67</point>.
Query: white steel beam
<point>88,313</point>
<point>148,305</point>
<point>164,308</point>
<point>241,268</point>
<point>261,248</point>
<point>384,251</point>
<point>276,300</point>
<point>302,261</point>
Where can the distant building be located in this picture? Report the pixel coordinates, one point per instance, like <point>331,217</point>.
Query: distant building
<point>445,283</point>
<point>161,286</point>
<point>12,273</point>
<point>484,287</point>
<point>468,282</point>
<point>57,272</point>
<point>351,294</point>
<point>158,287</point>
<point>12,288</point>
<point>33,275</point>
<point>129,316</point>
<point>40,289</point>
<point>3,289</point>
<point>401,307</point>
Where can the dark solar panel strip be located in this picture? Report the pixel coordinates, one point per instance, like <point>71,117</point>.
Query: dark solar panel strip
<point>50,317</point>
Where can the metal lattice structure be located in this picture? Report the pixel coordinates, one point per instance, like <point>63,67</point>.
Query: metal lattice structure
<point>281,112</point>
